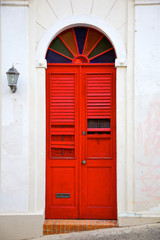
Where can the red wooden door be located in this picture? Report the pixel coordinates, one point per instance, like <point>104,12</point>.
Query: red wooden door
<point>81,142</point>
<point>98,174</point>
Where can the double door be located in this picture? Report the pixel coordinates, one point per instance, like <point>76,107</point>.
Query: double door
<point>80,142</point>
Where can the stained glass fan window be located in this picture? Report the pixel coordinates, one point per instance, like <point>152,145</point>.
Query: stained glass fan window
<point>80,45</point>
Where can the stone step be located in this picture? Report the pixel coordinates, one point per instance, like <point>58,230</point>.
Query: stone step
<point>57,226</point>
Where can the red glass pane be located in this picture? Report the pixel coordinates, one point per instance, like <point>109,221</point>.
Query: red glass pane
<point>80,59</point>
<point>69,40</point>
<point>93,37</point>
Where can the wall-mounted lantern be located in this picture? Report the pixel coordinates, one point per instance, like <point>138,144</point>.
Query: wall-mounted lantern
<point>12,76</point>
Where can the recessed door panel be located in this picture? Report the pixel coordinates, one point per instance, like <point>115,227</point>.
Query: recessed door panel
<point>98,146</point>
<point>98,188</point>
<point>63,185</point>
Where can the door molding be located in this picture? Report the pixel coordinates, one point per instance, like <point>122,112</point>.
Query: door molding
<point>40,113</point>
<point>82,20</point>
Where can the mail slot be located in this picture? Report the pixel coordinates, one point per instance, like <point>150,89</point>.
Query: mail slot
<point>62,195</point>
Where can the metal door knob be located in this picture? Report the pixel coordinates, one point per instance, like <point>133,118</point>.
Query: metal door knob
<point>84,162</point>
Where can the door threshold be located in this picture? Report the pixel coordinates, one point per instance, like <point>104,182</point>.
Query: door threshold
<point>59,226</point>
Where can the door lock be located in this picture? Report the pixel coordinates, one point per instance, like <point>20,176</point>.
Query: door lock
<point>84,162</point>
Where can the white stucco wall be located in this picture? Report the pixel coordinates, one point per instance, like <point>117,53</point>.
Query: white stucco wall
<point>14,131</point>
<point>147,107</point>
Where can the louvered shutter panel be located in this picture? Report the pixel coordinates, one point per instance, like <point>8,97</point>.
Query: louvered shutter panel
<point>99,96</point>
<point>62,115</point>
<point>99,114</point>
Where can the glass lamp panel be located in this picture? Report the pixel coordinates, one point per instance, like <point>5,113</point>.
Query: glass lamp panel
<point>69,40</point>
<point>16,78</point>
<point>80,33</point>
<point>53,57</point>
<point>108,57</point>
<point>59,46</point>
<point>11,79</point>
<point>102,46</point>
<point>93,37</point>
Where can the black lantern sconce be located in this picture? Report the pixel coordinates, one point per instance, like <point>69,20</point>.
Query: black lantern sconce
<point>12,76</point>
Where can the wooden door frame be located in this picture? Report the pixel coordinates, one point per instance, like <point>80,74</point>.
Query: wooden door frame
<point>37,189</point>
<point>114,128</point>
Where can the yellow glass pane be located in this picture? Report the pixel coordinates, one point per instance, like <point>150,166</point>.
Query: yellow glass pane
<point>69,40</point>
<point>93,37</point>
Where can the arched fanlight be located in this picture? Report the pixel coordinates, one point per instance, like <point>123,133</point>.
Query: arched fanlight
<point>81,45</point>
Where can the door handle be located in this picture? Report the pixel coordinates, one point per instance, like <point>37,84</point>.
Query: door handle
<point>84,162</point>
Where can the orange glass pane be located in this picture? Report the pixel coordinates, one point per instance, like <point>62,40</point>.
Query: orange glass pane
<point>68,38</point>
<point>93,37</point>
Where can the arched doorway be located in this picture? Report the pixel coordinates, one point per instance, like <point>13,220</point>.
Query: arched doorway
<point>81,126</point>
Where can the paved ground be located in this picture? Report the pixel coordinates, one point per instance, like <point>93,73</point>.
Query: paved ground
<point>145,232</point>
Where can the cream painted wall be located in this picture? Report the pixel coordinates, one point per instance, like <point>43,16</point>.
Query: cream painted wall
<point>102,9</point>
<point>147,108</point>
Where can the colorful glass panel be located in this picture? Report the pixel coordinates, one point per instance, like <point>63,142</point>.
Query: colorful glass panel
<point>53,57</point>
<point>70,45</point>
<point>93,37</point>
<point>80,37</point>
<point>102,46</point>
<point>108,57</point>
<point>68,38</point>
<point>59,46</point>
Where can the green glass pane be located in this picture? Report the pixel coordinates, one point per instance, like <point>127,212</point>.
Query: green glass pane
<point>59,46</point>
<point>102,46</point>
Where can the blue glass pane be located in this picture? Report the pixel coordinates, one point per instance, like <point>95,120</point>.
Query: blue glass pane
<point>80,36</point>
<point>108,57</point>
<point>53,57</point>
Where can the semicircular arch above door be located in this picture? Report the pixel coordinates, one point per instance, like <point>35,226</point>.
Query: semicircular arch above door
<point>81,45</point>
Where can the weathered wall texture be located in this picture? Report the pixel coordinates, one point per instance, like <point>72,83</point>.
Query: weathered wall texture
<point>14,116</point>
<point>147,108</point>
